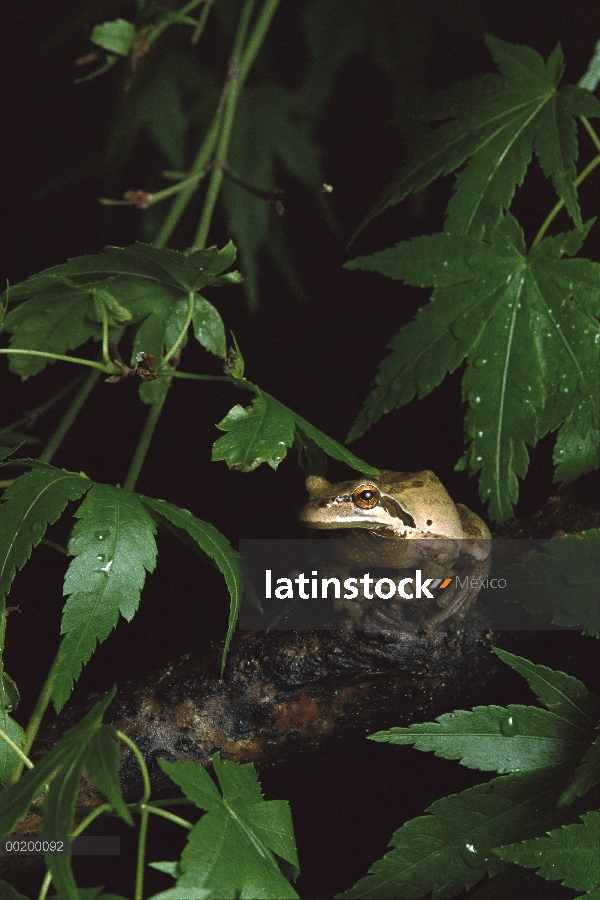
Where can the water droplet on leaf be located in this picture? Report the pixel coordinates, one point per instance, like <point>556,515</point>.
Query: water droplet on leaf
<point>509,726</point>
<point>473,857</point>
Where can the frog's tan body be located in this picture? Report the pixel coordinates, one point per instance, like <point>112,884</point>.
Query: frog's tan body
<point>403,520</point>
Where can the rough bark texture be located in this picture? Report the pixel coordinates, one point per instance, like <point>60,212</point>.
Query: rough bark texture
<point>285,692</point>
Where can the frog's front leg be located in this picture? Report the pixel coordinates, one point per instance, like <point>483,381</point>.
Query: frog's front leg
<point>473,563</point>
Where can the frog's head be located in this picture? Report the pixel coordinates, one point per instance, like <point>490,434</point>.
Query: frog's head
<point>395,504</point>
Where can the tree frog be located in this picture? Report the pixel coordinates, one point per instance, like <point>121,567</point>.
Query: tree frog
<point>403,521</point>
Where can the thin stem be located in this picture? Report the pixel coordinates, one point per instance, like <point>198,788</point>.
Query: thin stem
<point>36,719</point>
<point>257,37</point>
<point>237,76</point>
<point>98,811</point>
<point>104,314</point>
<point>69,417</point>
<point>590,130</point>
<point>186,181</point>
<point>558,206</point>
<point>173,350</point>
<point>45,886</point>
<point>177,820</point>
<point>234,83</point>
<point>72,359</point>
<point>143,444</point>
<point>141,762</point>
<point>141,854</point>
<point>196,172</point>
<point>177,374</point>
<point>201,22</point>
<point>25,761</point>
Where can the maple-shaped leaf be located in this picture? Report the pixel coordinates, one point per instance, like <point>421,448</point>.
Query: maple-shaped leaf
<point>265,430</point>
<point>156,291</point>
<point>113,547</point>
<point>451,848</point>
<point>568,854</point>
<point>230,851</point>
<point>498,122</point>
<point>527,326</point>
<point>273,125</point>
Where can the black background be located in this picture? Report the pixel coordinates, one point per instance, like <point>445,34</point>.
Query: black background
<point>318,357</point>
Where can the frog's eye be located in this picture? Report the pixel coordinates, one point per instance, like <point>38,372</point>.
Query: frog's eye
<point>366,496</point>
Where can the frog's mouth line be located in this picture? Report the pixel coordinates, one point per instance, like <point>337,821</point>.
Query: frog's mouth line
<point>366,531</point>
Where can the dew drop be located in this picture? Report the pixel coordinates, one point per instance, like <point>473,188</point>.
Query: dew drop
<point>509,727</point>
<point>106,569</point>
<point>480,433</point>
<point>101,557</point>
<point>101,535</point>
<point>473,857</point>
<point>477,399</point>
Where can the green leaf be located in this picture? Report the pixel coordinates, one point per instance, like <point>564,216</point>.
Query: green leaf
<point>211,542</point>
<point>115,312</point>
<point>451,848</point>
<point>568,854</point>
<point>66,755</point>
<point>563,583</point>
<point>586,775</point>
<point>9,693</point>
<point>102,765</point>
<point>208,327</point>
<point>54,321</point>
<point>277,123</point>
<point>59,804</point>
<point>498,122</point>
<point>592,76</point>
<point>508,739</point>
<point>8,758</point>
<point>517,61</point>
<point>265,430</point>
<point>230,851</point>
<point>486,186</point>
<point>561,693</point>
<point>184,271</point>
<point>141,284</point>
<point>113,545</point>
<point>33,502</point>
<point>556,149</point>
<point>115,37</point>
<point>255,434</point>
<point>531,345</point>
